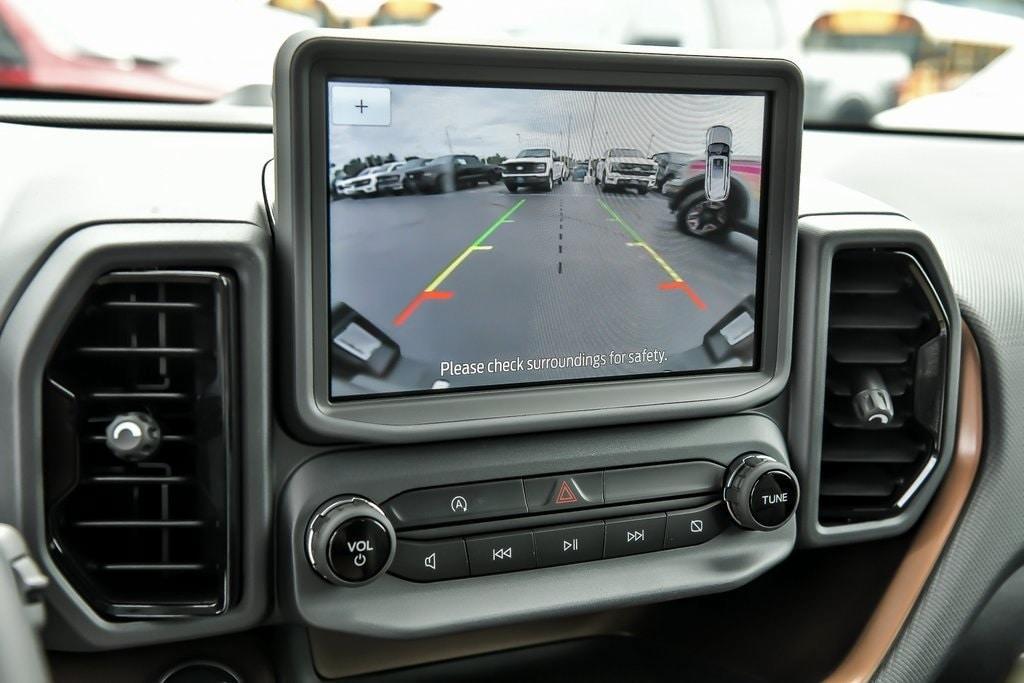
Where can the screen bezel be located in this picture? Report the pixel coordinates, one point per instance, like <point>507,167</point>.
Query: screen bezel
<point>306,64</point>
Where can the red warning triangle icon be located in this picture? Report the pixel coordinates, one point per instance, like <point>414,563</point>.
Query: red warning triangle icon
<point>565,495</point>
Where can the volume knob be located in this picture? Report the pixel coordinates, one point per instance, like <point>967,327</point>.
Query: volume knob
<point>350,541</point>
<point>760,492</point>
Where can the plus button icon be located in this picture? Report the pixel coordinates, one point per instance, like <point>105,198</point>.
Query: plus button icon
<point>361,106</point>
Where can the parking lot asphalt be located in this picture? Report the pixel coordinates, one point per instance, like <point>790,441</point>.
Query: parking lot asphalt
<point>484,274</point>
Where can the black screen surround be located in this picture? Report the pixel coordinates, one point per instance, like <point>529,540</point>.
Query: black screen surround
<point>305,67</point>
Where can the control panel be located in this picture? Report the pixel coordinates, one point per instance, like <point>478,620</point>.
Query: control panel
<point>407,541</point>
<point>433,534</point>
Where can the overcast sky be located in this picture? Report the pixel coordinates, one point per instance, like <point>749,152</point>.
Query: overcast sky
<point>485,121</point>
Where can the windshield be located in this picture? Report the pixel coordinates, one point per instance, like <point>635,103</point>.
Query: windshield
<point>624,152</point>
<point>911,64</point>
<point>535,152</point>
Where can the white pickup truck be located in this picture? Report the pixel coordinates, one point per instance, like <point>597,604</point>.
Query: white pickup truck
<point>371,181</point>
<point>626,167</point>
<point>534,167</point>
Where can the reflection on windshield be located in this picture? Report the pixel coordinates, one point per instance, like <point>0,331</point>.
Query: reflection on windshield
<point>859,58</point>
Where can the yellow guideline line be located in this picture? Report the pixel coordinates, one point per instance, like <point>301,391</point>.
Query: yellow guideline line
<point>657,257</point>
<point>473,247</point>
<point>641,243</point>
<point>448,271</point>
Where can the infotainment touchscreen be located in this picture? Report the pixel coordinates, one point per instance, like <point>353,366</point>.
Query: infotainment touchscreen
<point>486,237</point>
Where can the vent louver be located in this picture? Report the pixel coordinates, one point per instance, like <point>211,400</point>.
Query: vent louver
<point>887,346</point>
<point>152,537</point>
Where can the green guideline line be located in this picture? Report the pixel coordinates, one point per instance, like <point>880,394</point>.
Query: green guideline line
<point>633,233</point>
<point>641,242</point>
<point>457,261</point>
<point>494,226</point>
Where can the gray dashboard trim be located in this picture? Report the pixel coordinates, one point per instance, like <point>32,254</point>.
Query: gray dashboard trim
<point>394,608</point>
<point>930,178</point>
<point>135,115</point>
<point>26,342</point>
<point>819,238</point>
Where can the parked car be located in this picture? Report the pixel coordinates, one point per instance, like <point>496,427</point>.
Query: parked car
<point>579,172</point>
<point>851,75</point>
<point>534,167</point>
<point>745,169</point>
<point>698,216</point>
<point>624,167</point>
<point>403,171</point>
<point>371,181</point>
<point>671,165</point>
<point>452,172</point>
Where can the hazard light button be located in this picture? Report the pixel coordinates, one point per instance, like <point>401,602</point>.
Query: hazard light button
<point>563,492</point>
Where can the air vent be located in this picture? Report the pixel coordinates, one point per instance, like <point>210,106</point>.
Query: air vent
<point>884,385</point>
<point>145,535</point>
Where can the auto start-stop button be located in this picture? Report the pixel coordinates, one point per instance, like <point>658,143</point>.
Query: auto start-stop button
<point>359,549</point>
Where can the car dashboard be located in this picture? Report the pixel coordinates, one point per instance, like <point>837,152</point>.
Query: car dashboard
<point>149,296</point>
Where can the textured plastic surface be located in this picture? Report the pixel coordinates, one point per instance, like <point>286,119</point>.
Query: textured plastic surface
<point>303,65</point>
<point>820,237</point>
<point>21,654</point>
<point>931,179</point>
<point>392,607</point>
<point>25,344</point>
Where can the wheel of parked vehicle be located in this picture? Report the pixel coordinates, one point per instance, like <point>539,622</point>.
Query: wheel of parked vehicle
<point>602,186</point>
<point>511,188</point>
<point>551,184</point>
<point>642,190</point>
<point>697,216</point>
<point>707,219</point>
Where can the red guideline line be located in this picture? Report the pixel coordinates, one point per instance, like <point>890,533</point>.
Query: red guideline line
<point>697,301</point>
<point>415,303</point>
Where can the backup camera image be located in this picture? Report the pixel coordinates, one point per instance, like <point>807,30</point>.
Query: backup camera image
<point>491,236</point>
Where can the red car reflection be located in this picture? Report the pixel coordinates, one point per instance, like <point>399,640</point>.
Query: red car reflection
<point>28,63</point>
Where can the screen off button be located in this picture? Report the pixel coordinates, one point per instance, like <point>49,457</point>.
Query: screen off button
<point>360,105</point>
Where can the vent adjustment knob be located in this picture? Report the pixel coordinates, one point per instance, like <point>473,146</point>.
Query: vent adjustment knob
<point>872,402</point>
<point>133,436</point>
<point>761,493</point>
<point>350,541</point>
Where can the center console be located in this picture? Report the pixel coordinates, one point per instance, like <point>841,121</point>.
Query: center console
<point>481,249</point>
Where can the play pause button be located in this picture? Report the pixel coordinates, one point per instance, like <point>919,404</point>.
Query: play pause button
<point>568,544</point>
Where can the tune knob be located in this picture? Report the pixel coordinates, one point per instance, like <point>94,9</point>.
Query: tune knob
<point>350,541</point>
<point>760,492</point>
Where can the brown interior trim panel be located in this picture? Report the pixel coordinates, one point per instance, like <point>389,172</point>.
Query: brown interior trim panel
<point>899,599</point>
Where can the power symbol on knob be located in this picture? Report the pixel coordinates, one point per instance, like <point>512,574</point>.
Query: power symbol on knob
<point>350,541</point>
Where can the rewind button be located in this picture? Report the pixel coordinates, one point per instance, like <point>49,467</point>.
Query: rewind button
<point>503,553</point>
